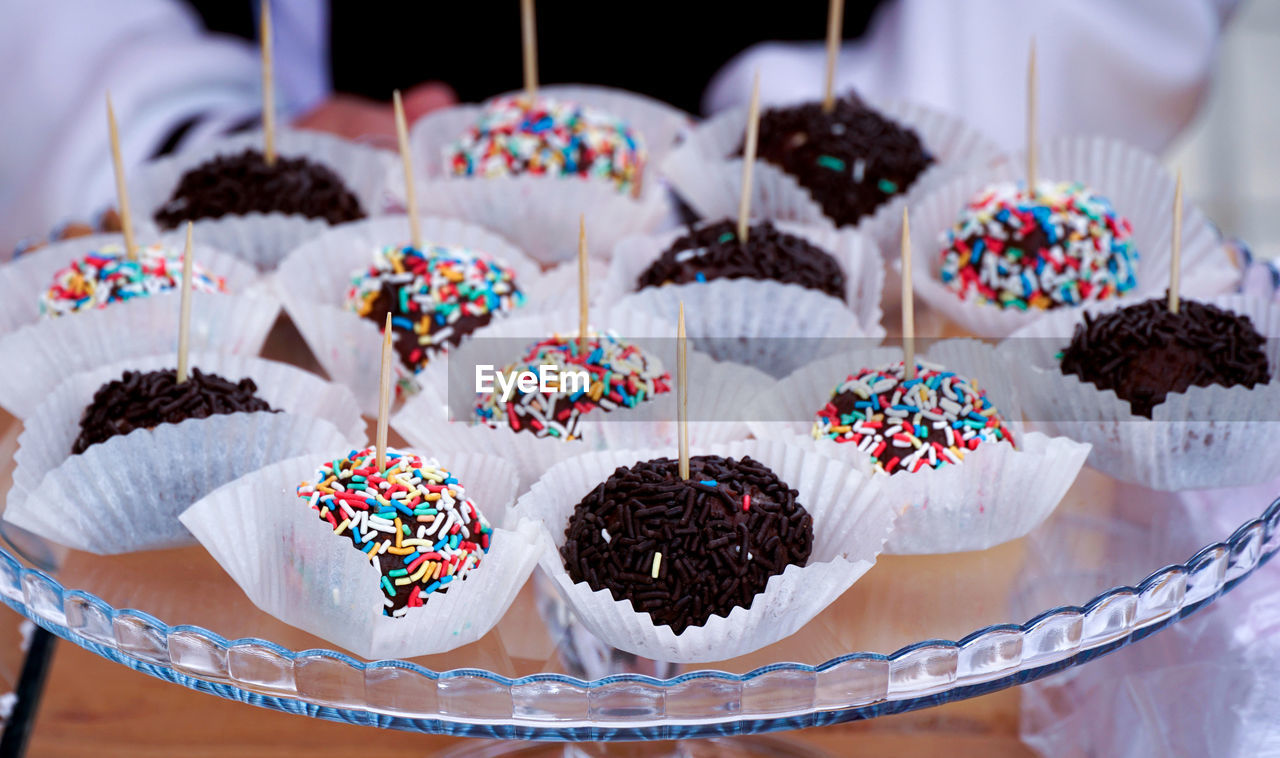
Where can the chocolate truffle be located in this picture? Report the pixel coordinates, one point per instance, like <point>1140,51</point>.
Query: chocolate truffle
<point>244,183</point>
<point>142,400</point>
<point>545,137</point>
<point>931,420</point>
<point>714,252</point>
<point>107,276</point>
<point>851,160</point>
<point>1144,352</point>
<point>618,374</point>
<point>1065,245</point>
<point>424,534</point>
<point>436,297</point>
<point>685,550</point>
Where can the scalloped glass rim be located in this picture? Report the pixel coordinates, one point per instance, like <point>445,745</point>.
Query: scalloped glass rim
<point>473,702</point>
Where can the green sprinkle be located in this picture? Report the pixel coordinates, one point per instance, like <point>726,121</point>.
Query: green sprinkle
<point>831,162</point>
<point>726,236</point>
<point>398,572</point>
<point>887,186</point>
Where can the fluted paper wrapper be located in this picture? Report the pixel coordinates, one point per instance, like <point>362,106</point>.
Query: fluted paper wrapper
<point>718,393</point>
<point>851,523</point>
<point>996,494</point>
<point>1139,188</point>
<point>858,258</point>
<point>293,567</point>
<point>1205,437</point>
<point>773,327</point>
<point>53,348</point>
<point>125,494</point>
<point>313,280</point>
<point>707,175</point>
<point>263,239</point>
<point>542,211</point>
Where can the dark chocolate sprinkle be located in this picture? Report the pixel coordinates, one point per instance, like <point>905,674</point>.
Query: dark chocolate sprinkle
<point>768,254</point>
<point>1144,352</point>
<point>139,400</point>
<point>718,563</point>
<point>244,183</point>
<point>850,160</point>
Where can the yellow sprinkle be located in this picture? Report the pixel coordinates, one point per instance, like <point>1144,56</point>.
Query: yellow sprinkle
<point>657,562</point>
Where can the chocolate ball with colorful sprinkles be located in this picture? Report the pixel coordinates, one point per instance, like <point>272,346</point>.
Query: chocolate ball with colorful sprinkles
<point>109,275</point>
<point>1145,352</point>
<point>685,550</point>
<point>528,134</point>
<point>436,296</point>
<point>850,158</point>
<point>621,376</point>
<point>907,424</point>
<point>1062,245</point>
<point>412,518</point>
<point>716,252</point>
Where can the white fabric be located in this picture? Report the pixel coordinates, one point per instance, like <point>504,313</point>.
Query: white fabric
<point>161,68</point>
<point>1135,69</point>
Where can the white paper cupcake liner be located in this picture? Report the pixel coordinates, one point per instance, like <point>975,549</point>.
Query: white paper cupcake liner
<point>1205,437</point>
<point>263,239</point>
<point>542,211</point>
<point>54,348</point>
<point>851,524</point>
<point>1139,188</point>
<point>292,566</point>
<point>996,494</point>
<point>125,494</point>
<point>767,325</point>
<point>706,176</point>
<point>313,280</point>
<point>718,393</point>
<point>858,258</point>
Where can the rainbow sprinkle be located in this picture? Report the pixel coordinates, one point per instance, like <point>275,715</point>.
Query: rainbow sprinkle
<point>1065,246</point>
<point>436,296</point>
<point>516,135</point>
<point>413,518</point>
<point>931,420</point>
<point>621,375</point>
<point>107,276</point>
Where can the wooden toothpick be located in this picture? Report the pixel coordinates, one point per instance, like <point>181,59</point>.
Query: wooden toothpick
<point>1175,261</point>
<point>268,89</point>
<point>406,159</point>
<point>835,29</point>
<point>908,306</point>
<point>529,37</point>
<point>749,159</point>
<point>682,395</point>
<point>384,395</point>
<point>1031,120</point>
<point>122,192</point>
<point>184,317</point>
<point>583,292</point>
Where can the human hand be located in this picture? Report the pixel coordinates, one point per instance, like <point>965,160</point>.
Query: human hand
<point>354,117</point>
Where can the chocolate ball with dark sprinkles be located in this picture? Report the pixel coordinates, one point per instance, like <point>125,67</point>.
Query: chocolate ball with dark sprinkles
<point>1144,352</point>
<point>715,252</point>
<point>245,183</point>
<point>851,160</point>
<point>142,400</point>
<point>685,550</point>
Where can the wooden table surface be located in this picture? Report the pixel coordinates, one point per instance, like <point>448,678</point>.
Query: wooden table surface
<point>95,707</point>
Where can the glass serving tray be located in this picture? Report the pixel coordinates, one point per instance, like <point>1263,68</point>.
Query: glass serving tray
<point>1112,565</point>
